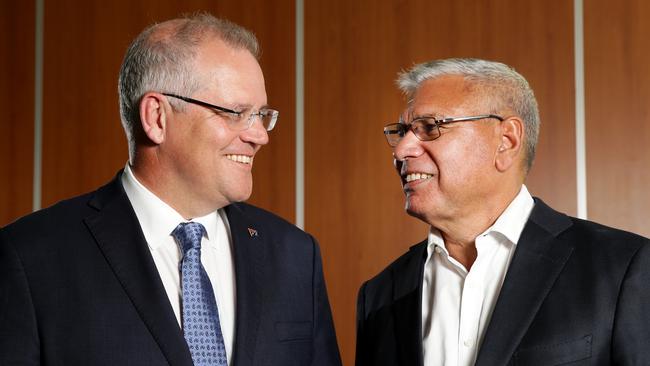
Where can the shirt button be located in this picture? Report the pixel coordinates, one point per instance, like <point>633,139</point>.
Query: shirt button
<point>438,250</point>
<point>468,343</point>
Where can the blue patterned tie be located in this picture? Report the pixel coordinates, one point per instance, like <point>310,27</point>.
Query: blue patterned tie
<point>200,314</point>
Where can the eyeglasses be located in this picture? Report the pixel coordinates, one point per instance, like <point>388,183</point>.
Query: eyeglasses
<point>238,120</point>
<point>425,128</point>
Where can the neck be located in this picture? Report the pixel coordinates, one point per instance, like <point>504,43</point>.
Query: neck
<point>464,252</point>
<point>161,183</point>
<point>461,231</point>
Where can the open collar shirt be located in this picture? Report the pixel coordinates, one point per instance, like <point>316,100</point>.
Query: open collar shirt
<point>457,304</point>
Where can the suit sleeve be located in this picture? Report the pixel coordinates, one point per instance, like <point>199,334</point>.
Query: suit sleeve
<point>19,343</point>
<point>326,351</point>
<point>632,322</point>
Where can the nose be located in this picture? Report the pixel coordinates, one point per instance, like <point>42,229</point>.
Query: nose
<point>256,133</point>
<point>408,147</point>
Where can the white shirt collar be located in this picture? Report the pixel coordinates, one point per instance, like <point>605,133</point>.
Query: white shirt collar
<point>512,221</point>
<point>510,224</point>
<point>158,219</point>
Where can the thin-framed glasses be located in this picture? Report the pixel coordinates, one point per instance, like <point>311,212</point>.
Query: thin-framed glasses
<point>425,128</point>
<point>237,121</point>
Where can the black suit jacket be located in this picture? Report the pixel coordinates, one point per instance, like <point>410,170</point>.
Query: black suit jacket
<point>78,286</point>
<point>576,293</point>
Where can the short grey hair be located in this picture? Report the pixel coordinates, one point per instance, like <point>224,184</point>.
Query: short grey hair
<point>161,59</point>
<point>503,87</point>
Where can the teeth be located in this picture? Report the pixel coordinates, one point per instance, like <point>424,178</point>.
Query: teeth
<point>417,176</point>
<point>240,158</point>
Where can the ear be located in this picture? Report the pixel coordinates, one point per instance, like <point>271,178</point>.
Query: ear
<point>153,116</point>
<point>510,149</point>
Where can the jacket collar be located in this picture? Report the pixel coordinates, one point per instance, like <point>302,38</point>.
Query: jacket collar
<point>250,244</point>
<point>117,232</point>
<point>407,305</point>
<point>540,252</point>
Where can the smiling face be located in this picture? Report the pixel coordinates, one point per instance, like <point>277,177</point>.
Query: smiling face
<point>207,162</point>
<point>453,176</point>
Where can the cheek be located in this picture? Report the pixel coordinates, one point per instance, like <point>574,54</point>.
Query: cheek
<point>463,165</point>
<point>221,136</point>
<point>210,142</point>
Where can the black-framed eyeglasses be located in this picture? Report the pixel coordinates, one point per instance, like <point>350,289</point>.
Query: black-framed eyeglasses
<point>425,128</point>
<point>238,120</point>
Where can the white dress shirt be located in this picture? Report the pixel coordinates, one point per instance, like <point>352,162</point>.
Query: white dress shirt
<point>158,220</point>
<point>457,304</point>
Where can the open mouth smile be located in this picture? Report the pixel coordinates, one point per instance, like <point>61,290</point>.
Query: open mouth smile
<point>244,159</point>
<point>412,177</point>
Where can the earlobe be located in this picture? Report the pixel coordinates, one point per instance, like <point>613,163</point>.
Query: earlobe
<point>510,149</point>
<point>153,117</point>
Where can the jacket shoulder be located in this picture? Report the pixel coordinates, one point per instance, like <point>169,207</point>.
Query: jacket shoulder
<point>611,243</point>
<point>62,214</point>
<point>600,232</point>
<point>402,264</point>
<point>402,275</point>
<point>584,234</point>
<point>55,217</point>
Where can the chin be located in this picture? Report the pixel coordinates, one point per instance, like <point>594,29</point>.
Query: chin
<point>413,209</point>
<point>417,214</point>
<point>240,196</point>
<point>419,208</point>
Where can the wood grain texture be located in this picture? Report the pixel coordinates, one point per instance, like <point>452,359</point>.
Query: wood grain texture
<point>17,39</point>
<point>84,144</point>
<point>354,203</point>
<point>617,82</point>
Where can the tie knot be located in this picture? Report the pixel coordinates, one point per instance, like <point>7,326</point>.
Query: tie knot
<point>188,235</point>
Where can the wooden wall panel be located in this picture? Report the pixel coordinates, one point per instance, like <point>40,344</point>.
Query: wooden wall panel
<point>17,24</point>
<point>84,144</point>
<point>354,49</point>
<point>617,82</point>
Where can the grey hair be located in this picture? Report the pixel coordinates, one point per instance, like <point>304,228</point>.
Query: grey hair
<point>504,87</point>
<point>161,59</point>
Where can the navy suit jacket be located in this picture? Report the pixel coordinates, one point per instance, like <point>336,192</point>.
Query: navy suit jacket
<point>576,293</point>
<point>78,286</point>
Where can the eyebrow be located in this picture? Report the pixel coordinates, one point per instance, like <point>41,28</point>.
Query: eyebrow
<point>246,107</point>
<point>433,115</point>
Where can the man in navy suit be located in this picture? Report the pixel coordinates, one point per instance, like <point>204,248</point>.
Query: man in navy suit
<point>98,279</point>
<point>502,279</point>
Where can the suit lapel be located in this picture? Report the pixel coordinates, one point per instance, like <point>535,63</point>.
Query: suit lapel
<point>407,306</point>
<point>249,248</point>
<point>538,260</point>
<point>117,232</point>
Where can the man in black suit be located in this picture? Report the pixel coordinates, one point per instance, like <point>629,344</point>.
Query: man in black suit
<point>502,278</point>
<point>162,266</point>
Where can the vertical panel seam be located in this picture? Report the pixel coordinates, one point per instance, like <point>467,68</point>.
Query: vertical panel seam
<point>300,116</point>
<point>38,106</point>
<point>581,164</point>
